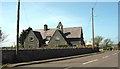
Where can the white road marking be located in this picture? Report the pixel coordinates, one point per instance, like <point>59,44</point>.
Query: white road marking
<point>90,61</point>
<point>67,68</point>
<point>105,57</point>
<point>114,54</point>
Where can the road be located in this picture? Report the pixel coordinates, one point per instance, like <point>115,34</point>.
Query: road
<point>106,59</point>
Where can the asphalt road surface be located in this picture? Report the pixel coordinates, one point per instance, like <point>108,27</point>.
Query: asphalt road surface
<point>106,59</point>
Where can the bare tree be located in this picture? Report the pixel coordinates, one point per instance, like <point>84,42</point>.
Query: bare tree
<point>2,37</point>
<point>108,42</point>
<point>119,45</point>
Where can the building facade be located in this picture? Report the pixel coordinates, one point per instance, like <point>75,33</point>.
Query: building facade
<point>58,36</point>
<point>33,40</point>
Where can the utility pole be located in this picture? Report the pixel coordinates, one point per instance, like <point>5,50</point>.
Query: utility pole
<point>18,20</point>
<point>0,33</point>
<point>93,27</point>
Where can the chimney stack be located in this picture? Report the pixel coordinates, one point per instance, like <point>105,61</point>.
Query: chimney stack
<point>45,27</point>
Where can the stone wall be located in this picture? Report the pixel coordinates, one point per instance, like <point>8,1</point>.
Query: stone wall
<point>0,57</point>
<point>9,56</point>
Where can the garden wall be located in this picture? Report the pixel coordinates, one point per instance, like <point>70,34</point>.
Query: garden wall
<point>9,56</point>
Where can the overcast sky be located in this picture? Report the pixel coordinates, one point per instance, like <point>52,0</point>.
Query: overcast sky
<point>71,14</point>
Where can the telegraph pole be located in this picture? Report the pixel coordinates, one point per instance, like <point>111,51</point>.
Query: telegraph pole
<point>18,20</point>
<point>93,27</point>
<point>0,33</point>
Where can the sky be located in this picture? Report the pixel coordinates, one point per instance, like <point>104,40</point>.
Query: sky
<point>71,14</point>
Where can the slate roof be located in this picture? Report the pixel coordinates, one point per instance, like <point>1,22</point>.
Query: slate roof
<point>37,34</point>
<point>72,32</point>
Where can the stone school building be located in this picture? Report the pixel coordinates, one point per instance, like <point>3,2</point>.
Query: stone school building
<point>58,36</point>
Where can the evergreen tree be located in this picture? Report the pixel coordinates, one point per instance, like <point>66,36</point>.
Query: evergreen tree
<point>23,35</point>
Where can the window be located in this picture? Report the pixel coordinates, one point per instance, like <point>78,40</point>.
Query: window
<point>57,38</point>
<point>31,39</point>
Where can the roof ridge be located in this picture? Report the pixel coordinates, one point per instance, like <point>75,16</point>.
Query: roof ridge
<point>63,28</point>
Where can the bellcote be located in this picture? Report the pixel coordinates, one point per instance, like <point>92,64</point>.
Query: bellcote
<point>60,26</point>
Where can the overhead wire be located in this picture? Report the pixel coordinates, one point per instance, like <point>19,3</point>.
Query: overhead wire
<point>51,13</point>
<point>95,4</point>
<point>25,15</point>
<point>90,18</point>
